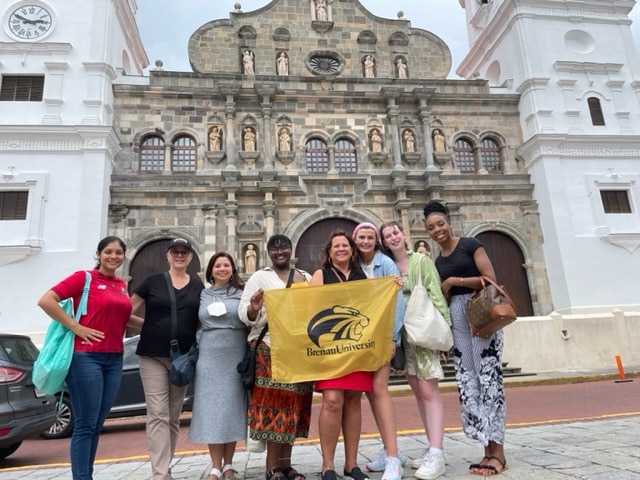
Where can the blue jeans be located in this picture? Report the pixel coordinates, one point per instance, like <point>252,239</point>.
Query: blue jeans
<point>93,381</point>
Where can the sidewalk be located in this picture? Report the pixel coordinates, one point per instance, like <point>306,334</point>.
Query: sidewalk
<point>596,450</point>
<point>606,449</point>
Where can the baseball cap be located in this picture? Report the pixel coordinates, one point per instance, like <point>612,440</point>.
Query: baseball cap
<point>180,242</point>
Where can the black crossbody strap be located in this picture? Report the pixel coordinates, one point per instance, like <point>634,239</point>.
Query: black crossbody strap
<point>266,327</point>
<point>174,314</point>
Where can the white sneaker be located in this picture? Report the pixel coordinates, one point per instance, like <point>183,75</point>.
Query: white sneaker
<point>380,462</point>
<point>418,461</point>
<point>393,469</point>
<point>431,468</point>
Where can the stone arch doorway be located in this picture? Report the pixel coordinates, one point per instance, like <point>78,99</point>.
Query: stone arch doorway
<point>508,262</point>
<point>309,247</point>
<point>152,259</point>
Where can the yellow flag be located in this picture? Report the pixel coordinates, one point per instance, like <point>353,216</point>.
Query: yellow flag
<point>327,331</point>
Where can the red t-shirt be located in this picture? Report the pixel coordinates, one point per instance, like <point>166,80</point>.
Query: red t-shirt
<point>108,308</point>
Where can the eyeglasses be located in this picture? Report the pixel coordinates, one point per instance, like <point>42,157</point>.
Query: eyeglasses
<point>179,253</point>
<point>281,249</point>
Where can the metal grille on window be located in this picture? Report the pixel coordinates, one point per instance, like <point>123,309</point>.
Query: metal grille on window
<point>490,155</point>
<point>465,156</point>
<point>183,155</point>
<point>345,156</point>
<point>152,155</point>
<point>317,156</point>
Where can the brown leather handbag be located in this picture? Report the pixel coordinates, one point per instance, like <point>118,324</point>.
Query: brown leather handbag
<point>490,309</point>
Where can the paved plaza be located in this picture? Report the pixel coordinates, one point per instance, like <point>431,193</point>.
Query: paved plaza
<point>607,449</point>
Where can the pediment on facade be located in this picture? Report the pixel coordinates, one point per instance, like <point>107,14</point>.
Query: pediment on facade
<point>217,46</point>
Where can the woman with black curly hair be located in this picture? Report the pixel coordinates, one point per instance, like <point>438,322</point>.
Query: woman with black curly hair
<point>478,361</point>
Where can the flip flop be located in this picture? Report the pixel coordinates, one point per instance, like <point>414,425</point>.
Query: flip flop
<point>493,469</point>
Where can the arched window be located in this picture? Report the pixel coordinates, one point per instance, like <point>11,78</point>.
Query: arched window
<point>345,156</point>
<point>465,156</point>
<point>490,155</point>
<point>152,154</point>
<point>183,154</point>
<point>317,156</point>
<point>595,110</point>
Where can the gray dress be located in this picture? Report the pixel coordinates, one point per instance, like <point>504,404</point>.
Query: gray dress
<point>219,406</point>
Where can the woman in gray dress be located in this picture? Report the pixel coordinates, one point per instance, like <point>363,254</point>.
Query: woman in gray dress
<point>219,408</point>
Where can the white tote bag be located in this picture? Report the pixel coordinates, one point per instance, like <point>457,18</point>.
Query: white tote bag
<point>424,325</point>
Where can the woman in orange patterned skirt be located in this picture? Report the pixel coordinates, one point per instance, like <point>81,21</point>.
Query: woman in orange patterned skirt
<point>278,412</point>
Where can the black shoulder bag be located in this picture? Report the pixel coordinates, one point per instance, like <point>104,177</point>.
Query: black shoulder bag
<point>247,366</point>
<point>182,370</point>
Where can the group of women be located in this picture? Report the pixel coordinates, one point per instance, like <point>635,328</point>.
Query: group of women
<point>232,315</point>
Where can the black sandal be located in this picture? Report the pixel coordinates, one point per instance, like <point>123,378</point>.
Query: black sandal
<point>275,473</point>
<point>292,474</point>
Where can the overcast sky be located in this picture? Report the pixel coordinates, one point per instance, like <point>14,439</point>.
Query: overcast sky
<point>167,25</point>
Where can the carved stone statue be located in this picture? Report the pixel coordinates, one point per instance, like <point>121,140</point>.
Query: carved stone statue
<point>247,62</point>
<point>284,140</point>
<point>422,248</point>
<point>438,141</point>
<point>369,64</point>
<point>215,138</point>
<point>249,139</point>
<point>409,141</point>
<point>376,141</point>
<point>282,64</point>
<point>402,68</point>
<point>322,14</point>
<point>250,259</point>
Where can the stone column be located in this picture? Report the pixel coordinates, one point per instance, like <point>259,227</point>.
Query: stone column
<point>229,91</point>
<point>266,91</point>
<point>423,96</point>
<point>209,213</point>
<point>390,95</point>
<point>231,210</point>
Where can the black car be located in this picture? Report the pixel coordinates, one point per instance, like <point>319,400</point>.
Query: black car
<point>25,411</point>
<point>129,402</point>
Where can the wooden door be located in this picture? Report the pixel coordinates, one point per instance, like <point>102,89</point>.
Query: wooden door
<point>309,247</point>
<point>508,263</point>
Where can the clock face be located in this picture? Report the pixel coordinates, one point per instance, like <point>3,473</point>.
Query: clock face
<point>30,22</point>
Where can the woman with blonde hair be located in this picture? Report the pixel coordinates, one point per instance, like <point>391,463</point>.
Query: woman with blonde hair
<point>423,369</point>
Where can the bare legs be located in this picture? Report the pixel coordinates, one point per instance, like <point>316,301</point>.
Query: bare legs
<point>222,454</point>
<point>430,407</point>
<point>383,410</point>
<point>341,409</point>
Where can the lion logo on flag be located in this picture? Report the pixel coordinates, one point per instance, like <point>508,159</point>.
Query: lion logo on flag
<point>339,322</point>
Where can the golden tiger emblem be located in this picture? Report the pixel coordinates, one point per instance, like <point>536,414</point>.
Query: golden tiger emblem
<point>339,323</point>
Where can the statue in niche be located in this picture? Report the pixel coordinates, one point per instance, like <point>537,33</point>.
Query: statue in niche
<point>438,141</point>
<point>376,141</point>
<point>422,248</point>
<point>215,138</point>
<point>250,259</point>
<point>284,140</point>
<point>322,13</point>
<point>369,64</point>
<point>247,62</point>
<point>409,141</point>
<point>282,65</point>
<point>249,139</point>
<point>402,68</point>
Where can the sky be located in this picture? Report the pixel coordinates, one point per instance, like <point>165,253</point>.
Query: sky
<point>166,25</point>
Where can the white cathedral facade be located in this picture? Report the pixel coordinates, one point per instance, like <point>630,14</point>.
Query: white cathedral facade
<point>572,65</point>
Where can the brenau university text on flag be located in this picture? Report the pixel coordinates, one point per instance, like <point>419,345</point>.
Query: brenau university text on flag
<point>327,331</point>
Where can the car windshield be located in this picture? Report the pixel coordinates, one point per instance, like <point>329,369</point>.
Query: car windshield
<point>19,351</point>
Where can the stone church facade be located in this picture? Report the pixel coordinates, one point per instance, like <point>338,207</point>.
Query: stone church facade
<point>298,119</point>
